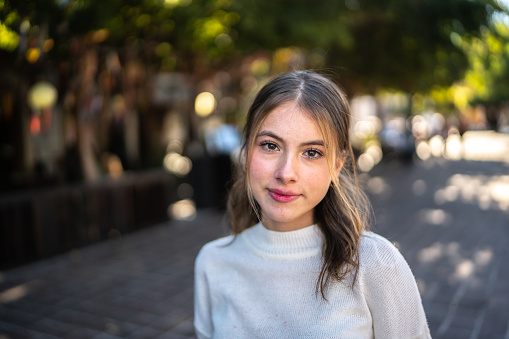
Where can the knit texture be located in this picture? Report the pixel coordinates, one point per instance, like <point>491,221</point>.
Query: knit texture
<point>262,285</point>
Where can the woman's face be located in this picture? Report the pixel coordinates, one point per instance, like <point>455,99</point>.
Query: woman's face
<point>288,172</point>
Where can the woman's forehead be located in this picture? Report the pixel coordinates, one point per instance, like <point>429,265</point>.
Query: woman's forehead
<point>291,117</point>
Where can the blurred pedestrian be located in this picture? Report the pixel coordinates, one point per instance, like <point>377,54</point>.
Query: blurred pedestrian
<point>301,262</point>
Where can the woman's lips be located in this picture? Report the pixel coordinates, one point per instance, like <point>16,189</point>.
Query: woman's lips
<point>282,196</point>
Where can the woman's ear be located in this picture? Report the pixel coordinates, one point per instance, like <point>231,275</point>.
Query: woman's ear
<point>242,156</point>
<point>340,161</point>
<point>339,165</point>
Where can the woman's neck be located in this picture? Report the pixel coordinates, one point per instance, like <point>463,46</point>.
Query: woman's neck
<point>286,226</point>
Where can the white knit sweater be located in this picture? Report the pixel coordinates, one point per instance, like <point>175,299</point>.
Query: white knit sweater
<point>262,285</point>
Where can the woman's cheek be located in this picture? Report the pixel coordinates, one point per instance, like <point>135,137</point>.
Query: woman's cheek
<point>320,179</point>
<point>257,168</point>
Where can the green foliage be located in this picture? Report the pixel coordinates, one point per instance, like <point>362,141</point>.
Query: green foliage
<point>307,24</point>
<point>9,38</point>
<point>409,45</point>
<point>397,44</point>
<point>488,75</point>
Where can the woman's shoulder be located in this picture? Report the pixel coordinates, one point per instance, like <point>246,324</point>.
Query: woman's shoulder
<point>216,245</point>
<point>215,250</point>
<point>376,250</point>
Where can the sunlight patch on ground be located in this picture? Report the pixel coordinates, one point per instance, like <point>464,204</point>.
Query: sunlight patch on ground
<point>18,292</point>
<point>435,217</point>
<point>464,269</point>
<point>464,265</point>
<point>483,257</point>
<point>419,187</point>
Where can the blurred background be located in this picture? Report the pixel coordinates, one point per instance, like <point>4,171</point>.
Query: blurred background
<point>121,116</point>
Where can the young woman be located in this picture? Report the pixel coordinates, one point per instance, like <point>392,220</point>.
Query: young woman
<point>301,263</point>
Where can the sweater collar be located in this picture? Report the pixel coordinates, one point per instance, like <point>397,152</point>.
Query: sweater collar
<point>301,243</point>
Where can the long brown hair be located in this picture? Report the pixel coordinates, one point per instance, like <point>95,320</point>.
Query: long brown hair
<point>344,212</point>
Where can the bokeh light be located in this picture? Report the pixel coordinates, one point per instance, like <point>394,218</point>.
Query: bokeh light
<point>33,54</point>
<point>42,95</point>
<point>375,151</point>
<point>204,104</point>
<point>453,147</point>
<point>436,145</point>
<point>113,165</point>
<point>183,210</point>
<point>177,164</point>
<point>35,125</point>
<point>423,150</point>
<point>366,162</point>
<point>486,146</point>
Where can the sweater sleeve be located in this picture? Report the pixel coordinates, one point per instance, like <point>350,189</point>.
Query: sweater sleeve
<point>391,292</point>
<point>202,305</point>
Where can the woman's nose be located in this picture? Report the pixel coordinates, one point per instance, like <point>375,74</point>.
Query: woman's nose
<point>287,170</point>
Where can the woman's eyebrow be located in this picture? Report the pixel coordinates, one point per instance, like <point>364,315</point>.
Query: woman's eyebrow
<point>269,134</point>
<point>307,143</point>
<point>313,143</point>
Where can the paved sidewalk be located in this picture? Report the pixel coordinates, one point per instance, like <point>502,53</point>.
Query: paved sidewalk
<point>450,220</point>
<point>137,286</point>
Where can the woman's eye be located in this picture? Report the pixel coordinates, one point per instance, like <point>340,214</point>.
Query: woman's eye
<point>270,146</point>
<point>312,153</point>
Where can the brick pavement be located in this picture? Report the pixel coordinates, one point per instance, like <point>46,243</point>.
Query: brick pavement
<point>449,219</point>
<point>137,286</point>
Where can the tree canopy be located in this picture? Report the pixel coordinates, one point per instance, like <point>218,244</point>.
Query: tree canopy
<point>405,45</point>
